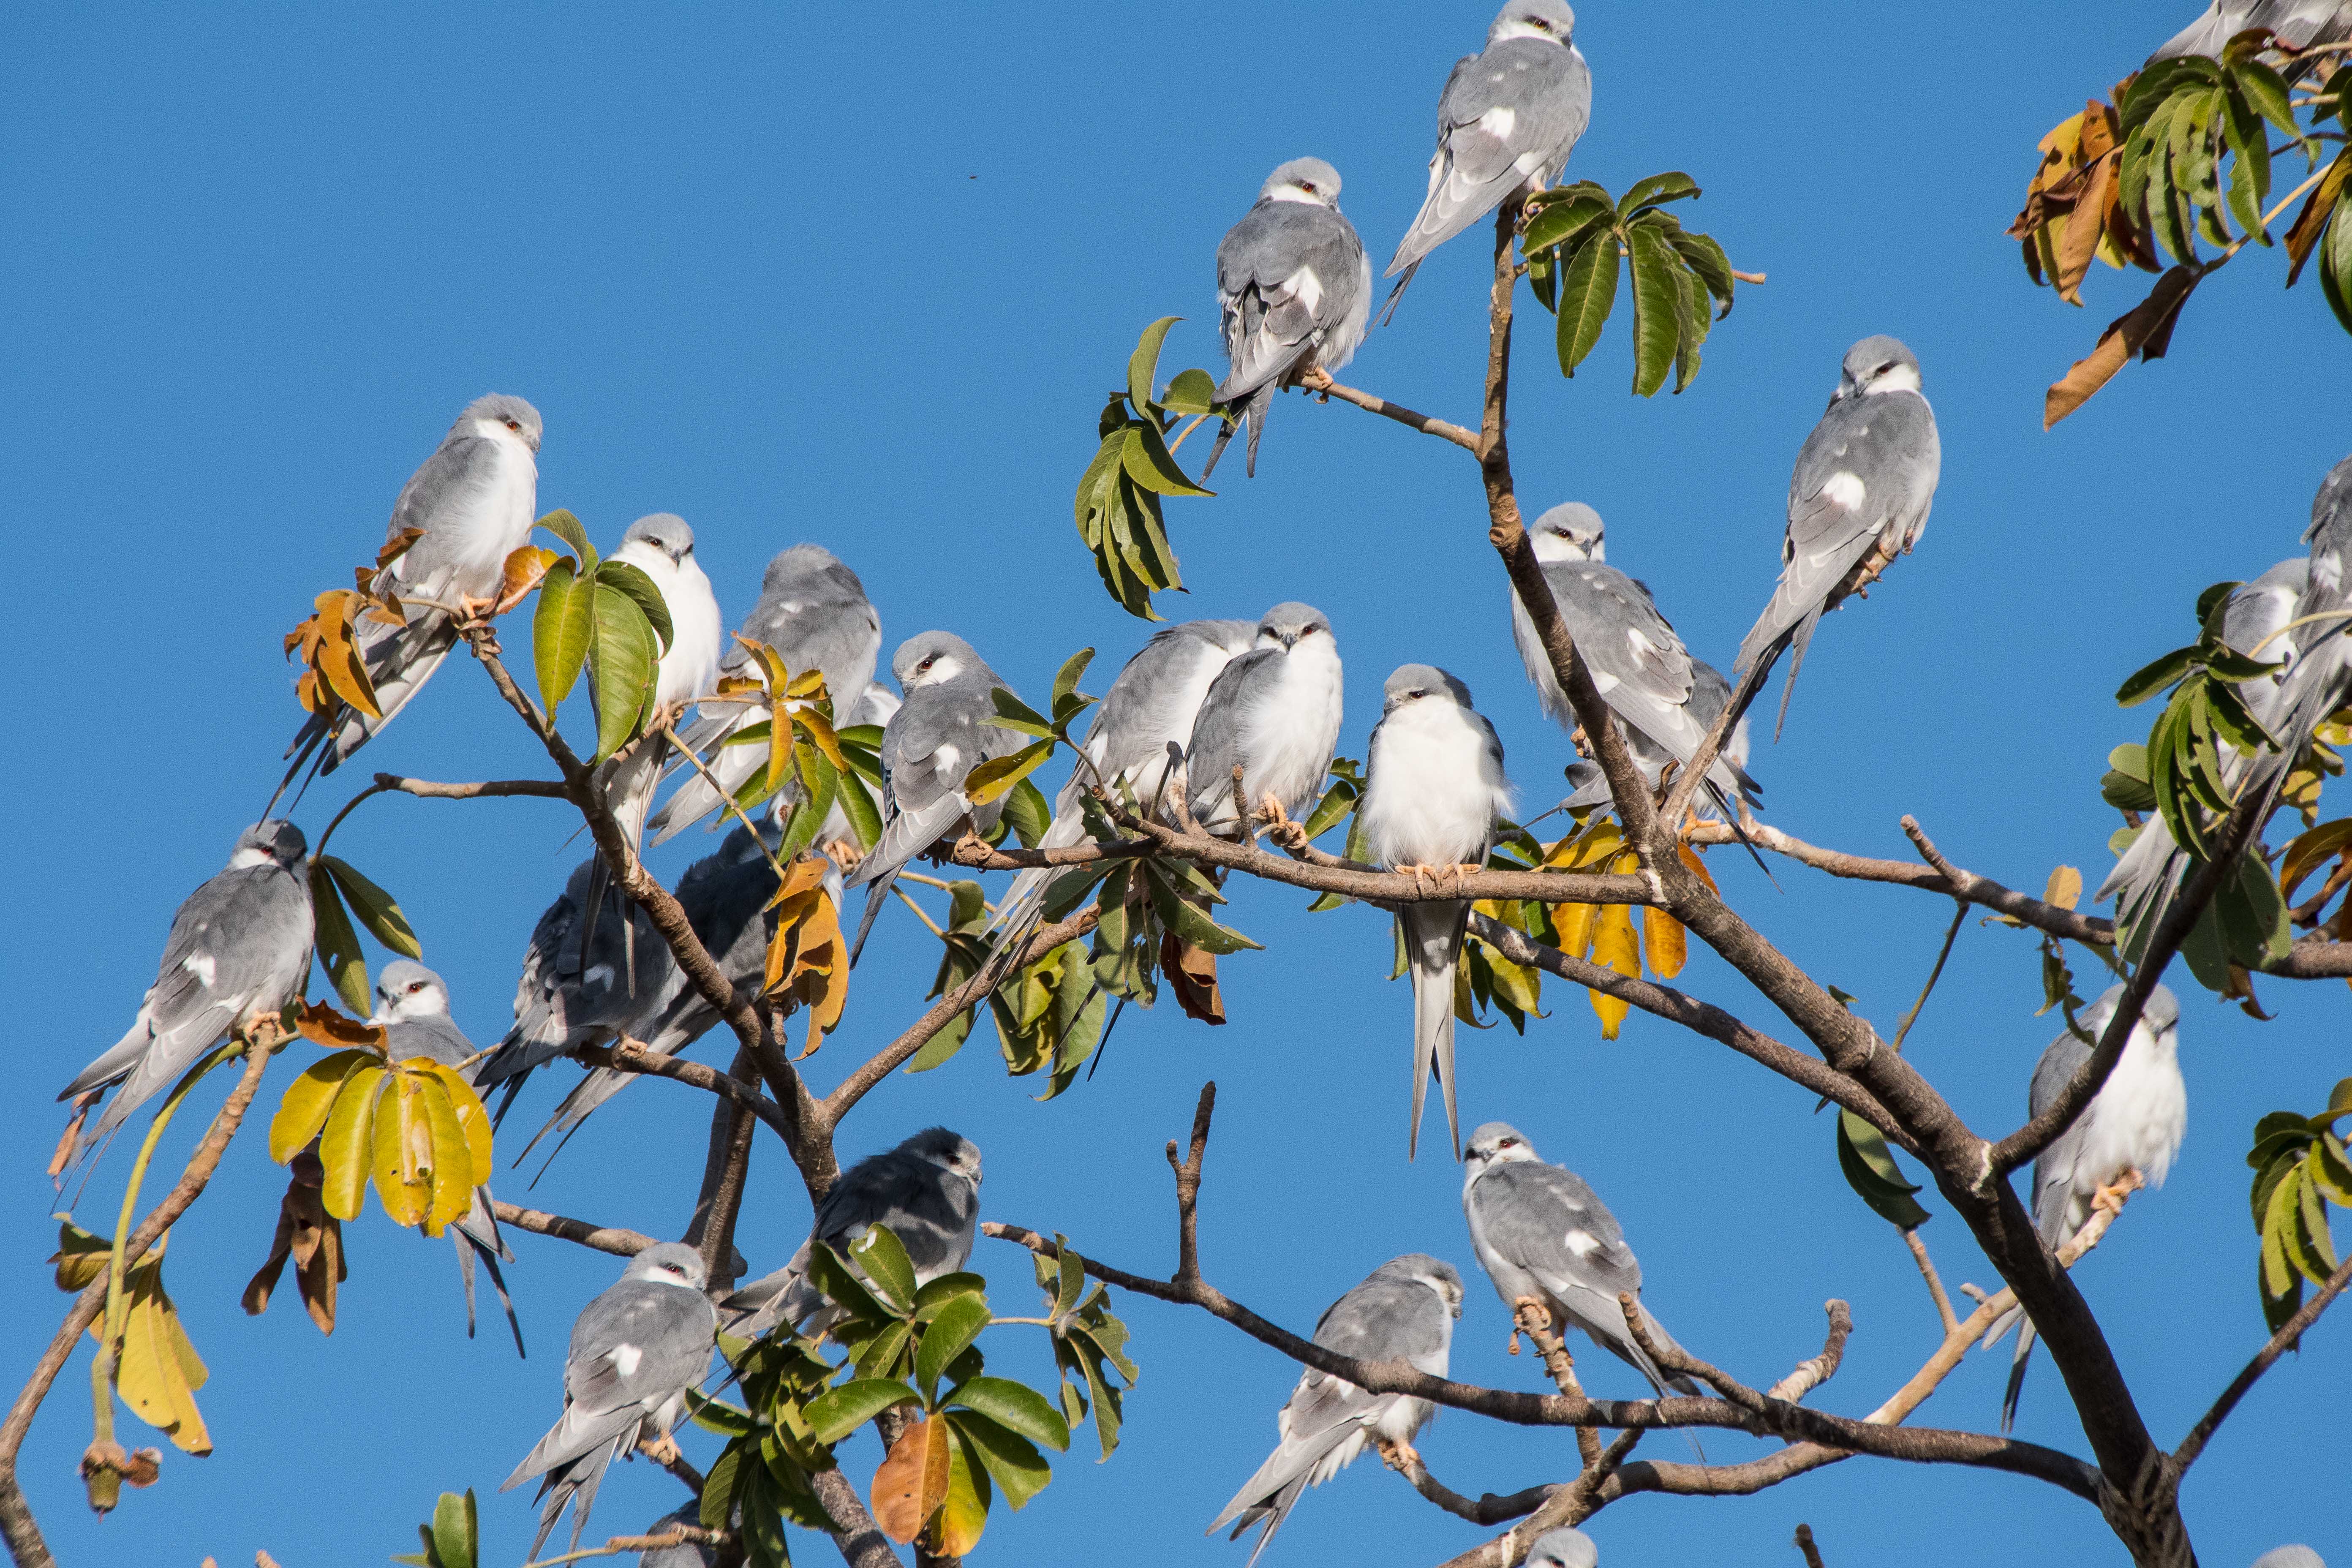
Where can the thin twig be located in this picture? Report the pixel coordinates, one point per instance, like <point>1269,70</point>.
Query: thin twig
<point>1934,1285</point>
<point>603,1238</point>
<point>1533,1319</point>
<point>1959,913</point>
<point>1315,381</point>
<point>2288,1334</point>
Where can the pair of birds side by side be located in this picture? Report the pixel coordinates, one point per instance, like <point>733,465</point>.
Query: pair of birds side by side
<point>1293,284</point>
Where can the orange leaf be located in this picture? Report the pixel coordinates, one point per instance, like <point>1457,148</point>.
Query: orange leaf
<point>397,546</point>
<point>1664,939</point>
<point>1614,946</point>
<point>913,1480</point>
<point>2146,330</point>
<point>339,662</point>
<point>524,569</point>
<point>2080,243</point>
<point>1697,867</point>
<point>321,1025</point>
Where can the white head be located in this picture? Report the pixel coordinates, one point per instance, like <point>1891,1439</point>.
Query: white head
<point>1548,21</point>
<point>1308,180</point>
<point>272,841</point>
<point>663,537</point>
<point>950,1152</point>
<point>1569,531</point>
<point>1422,1269</point>
<point>405,989</point>
<point>1563,1548</point>
<point>669,1262</point>
<point>1876,366</point>
<point>1495,1143</point>
<point>930,658</point>
<point>1288,624</point>
<point>500,417</point>
<point>1414,683</point>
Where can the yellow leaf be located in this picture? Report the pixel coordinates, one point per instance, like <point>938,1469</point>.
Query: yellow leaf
<point>473,1121</point>
<point>1697,867</point>
<point>343,1144</point>
<point>397,546</point>
<point>913,1480</point>
<point>451,1171</point>
<point>308,1101</point>
<point>339,661</point>
<point>402,1149</point>
<point>157,1370</point>
<point>820,733</point>
<point>1595,843</point>
<point>1615,947</point>
<point>1662,939</point>
<point>964,1517</point>
<point>1574,923</point>
<point>2064,888</point>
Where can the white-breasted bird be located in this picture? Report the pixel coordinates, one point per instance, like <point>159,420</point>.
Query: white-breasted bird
<point>1433,791</point>
<point>1563,1548</point>
<point>1274,712</point>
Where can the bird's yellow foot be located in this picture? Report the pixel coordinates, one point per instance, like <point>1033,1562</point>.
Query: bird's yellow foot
<point>1401,1457</point>
<point>2113,1195</point>
<point>844,854</point>
<point>662,1450</point>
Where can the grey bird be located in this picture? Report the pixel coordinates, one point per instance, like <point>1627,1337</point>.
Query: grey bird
<point>1403,1309</point>
<point>412,1005</point>
<point>567,998</point>
<point>691,1555</point>
<point>636,1351</point>
<point>2127,1136</point>
<point>1637,661</point>
<point>814,612</point>
<point>2298,24</point>
<point>1274,713</point>
<point>2290,1557</point>
<point>1294,291</point>
<point>1433,791</point>
<point>474,500</point>
<point>239,949</point>
<point>1563,1548</point>
<point>1543,1235</point>
<point>1151,707</point>
<point>1506,123</point>
<point>1858,498</point>
<point>925,1192</point>
<point>942,732</point>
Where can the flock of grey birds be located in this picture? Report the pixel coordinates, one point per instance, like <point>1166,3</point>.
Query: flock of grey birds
<point>1227,722</point>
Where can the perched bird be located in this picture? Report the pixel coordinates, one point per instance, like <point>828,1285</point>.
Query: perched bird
<point>2290,1557</point>
<point>814,612</point>
<point>474,500</point>
<point>636,1351</point>
<point>925,1192</point>
<point>1637,662</point>
<point>942,732</point>
<point>1506,123</point>
<point>1543,1236</point>
<point>1859,497</point>
<point>1563,1548</point>
<point>239,950</point>
<point>412,1005</point>
<point>1273,711</point>
<point>692,1555</point>
<point>1294,289</point>
<point>662,547</point>
<point>1405,1309</point>
<point>1710,695</point>
<point>567,998</point>
<point>2126,1136</point>
<point>1150,707</point>
<point>2298,24</point>
<point>1433,790</point>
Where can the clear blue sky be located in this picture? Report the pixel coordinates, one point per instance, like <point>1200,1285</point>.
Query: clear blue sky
<point>861,277</point>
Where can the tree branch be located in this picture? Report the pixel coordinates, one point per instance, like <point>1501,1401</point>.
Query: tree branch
<point>712,1228</point>
<point>618,1242</point>
<point>1317,381</point>
<point>2289,1333</point>
<point>426,789</point>
<point>854,1531</point>
<point>634,1057</point>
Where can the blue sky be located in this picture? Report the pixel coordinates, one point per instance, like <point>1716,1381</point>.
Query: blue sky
<point>861,278</point>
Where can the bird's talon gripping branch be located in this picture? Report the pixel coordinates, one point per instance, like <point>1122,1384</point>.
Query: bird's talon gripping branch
<point>662,1450</point>
<point>1400,1456</point>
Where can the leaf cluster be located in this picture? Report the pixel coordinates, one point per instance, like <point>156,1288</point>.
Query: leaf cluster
<point>335,675</point>
<point>1048,1016</point>
<point>415,1127</point>
<point>2300,1167</point>
<point>1574,240</point>
<point>1134,465</point>
<point>604,617</point>
<point>157,1370</point>
<point>334,885</point>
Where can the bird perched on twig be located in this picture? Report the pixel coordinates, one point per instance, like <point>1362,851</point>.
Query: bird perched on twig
<point>1506,123</point>
<point>1294,291</point>
<point>2297,23</point>
<point>1433,791</point>
<point>635,1349</point>
<point>1275,713</point>
<point>1403,1309</point>
<point>2125,1138</point>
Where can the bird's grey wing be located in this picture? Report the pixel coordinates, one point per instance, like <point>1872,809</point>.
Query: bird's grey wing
<point>1552,1224</point>
<point>930,1212</point>
<point>1216,733</point>
<point>1506,115</point>
<point>436,1039</point>
<point>2054,1168</point>
<point>1633,653</point>
<point>633,1347</point>
<point>1288,276</point>
<point>927,748</point>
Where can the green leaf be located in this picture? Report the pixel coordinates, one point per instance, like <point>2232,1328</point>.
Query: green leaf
<point>1690,325</point>
<point>376,908</point>
<point>1011,1460</point>
<point>622,669</point>
<point>716,1414</point>
<point>633,581</point>
<point>998,774</point>
<point>837,1412</point>
<point>1012,713</point>
<point>1193,392</point>
<point>949,1335</point>
<point>858,804</point>
<point>1026,810</point>
<point>1095,487</point>
<point>1708,262</point>
<point>831,1274</point>
<point>456,1529</point>
<point>560,630</point>
<point>1189,924</point>
<point>1871,1171</point>
<point>1657,332</point>
<point>1337,804</point>
<point>1150,464</point>
<point>934,1296</point>
<point>1588,292</point>
<point>1065,680</point>
<point>1673,186</point>
<point>882,1258</point>
<point>1017,1406</point>
<point>1560,221</point>
<point>1143,364</point>
<point>336,943</point>
<point>2335,264</point>
<point>2267,91</point>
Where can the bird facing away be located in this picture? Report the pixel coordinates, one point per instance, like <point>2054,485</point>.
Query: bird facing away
<point>1563,1548</point>
<point>412,1005</point>
<point>635,1349</point>
<point>2300,24</point>
<point>2290,1557</point>
<point>2127,1136</point>
<point>925,1192</point>
<point>814,612</point>
<point>1858,498</point>
<point>1637,661</point>
<point>239,949</point>
<point>565,998</point>
<point>475,498</point>
<point>1150,707</point>
<point>1406,1309</point>
<point>1506,123</point>
<point>1294,291</point>
<point>942,732</point>
<point>1542,1235</point>
<point>1433,794</point>
<point>1274,713</point>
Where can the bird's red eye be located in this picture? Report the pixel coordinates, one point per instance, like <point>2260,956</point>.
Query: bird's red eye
<point>514,424</point>
<point>414,987</point>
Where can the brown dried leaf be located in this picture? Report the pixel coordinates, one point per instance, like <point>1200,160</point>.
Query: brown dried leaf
<point>2084,226</point>
<point>321,1025</point>
<point>913,1480</point>
<point>397,546</point>
<point>72,1135</point>
<point>2144,330</point>
<point>1193,977</point>
<point>2311,223</point>
<point>311,1238</point>
<point>524,570</point>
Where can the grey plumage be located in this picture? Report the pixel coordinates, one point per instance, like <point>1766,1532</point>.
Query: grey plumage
<point>1710,694</point>
<point>925,1192</point>
<point>943,730</point>
<point>1563,1548</point>
<point>2300,24</point>
<point>474,498</point>
<point>1275,711</point>
<point>1506,123</point>
<point>239,947</point>
<point>1434,792</point>
<point>1542,1233</point>
<point>2134,1123</point>
<point>1858,496</point>
<point>412,1005</point>
<point>692,1555</point>
<point>814,612</point>
<point>1405,1309</point>
<point>567,998</point>
<point>2290,1557</point>
<point>1294,291</point>
<point>635,1352</point>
